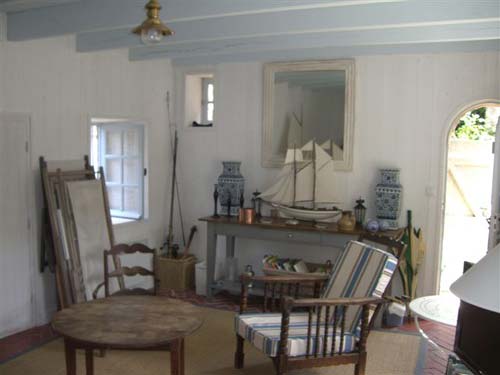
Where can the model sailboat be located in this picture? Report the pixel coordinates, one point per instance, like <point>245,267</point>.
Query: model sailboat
<point>304,188</point>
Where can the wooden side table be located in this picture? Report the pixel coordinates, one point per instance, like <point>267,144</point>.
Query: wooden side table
<point>127,322</point>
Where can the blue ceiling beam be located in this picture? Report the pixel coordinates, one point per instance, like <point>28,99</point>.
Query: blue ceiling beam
<point>306,20</point>
<point>21,5</point>
<point>489,30</point>
<point>90,15</point>
<point>339,53</point>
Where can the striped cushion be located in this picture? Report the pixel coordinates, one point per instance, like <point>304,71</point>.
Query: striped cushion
<point>263,331</point>
<point>361,271</point>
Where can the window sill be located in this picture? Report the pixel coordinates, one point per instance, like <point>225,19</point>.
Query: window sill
<point>121,221</point>
<point>191,128</point>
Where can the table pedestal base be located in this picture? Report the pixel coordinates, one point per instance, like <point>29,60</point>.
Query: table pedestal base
<point>429,340</point>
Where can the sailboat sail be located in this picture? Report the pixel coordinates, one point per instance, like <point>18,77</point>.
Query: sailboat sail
<point>282,191</point>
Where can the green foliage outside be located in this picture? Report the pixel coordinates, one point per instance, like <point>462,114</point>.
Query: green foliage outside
<point>476,126</point>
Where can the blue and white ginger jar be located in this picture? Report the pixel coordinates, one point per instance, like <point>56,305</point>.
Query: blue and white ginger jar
<point>388,196</point>
<point>230,182</point>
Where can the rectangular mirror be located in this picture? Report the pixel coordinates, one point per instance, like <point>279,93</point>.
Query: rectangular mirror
<point>304,101</point>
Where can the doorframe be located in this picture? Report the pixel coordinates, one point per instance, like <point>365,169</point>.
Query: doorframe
<point>442,183</point>
<point>31,212</point>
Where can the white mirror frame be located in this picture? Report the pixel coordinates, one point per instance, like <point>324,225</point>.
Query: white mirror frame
<point>270,160</point>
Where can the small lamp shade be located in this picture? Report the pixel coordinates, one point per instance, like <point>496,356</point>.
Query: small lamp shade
<point>480,285</point>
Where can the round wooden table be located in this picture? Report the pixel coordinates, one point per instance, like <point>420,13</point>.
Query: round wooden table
<point>127,322</point>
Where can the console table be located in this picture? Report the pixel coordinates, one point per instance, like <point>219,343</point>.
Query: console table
<point>275,229</point>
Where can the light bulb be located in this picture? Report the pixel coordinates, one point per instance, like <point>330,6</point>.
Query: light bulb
<point>151,36</point>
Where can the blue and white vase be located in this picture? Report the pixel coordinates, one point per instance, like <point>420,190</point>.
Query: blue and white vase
<point>388,196</point>
<point>232,183</point>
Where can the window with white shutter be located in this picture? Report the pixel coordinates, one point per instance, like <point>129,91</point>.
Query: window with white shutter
<point>119,148</point>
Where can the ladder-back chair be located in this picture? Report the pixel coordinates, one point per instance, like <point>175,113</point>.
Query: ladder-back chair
<point>123,271</point>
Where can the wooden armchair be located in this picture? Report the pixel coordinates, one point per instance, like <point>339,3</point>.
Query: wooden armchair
<point>123,271</point>
<point>325,331</point>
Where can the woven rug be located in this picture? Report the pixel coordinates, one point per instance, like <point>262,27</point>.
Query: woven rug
<point>210,351</point>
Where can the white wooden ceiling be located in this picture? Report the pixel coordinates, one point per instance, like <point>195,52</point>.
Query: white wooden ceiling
<point>20,5</point>
<point>211,31</point>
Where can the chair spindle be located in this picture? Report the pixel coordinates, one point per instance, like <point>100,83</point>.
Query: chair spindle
<point>266,285</point>
<point>282,294</point>
<point>325,337</point>
<point>309,330</point>
<point>318,331</point>
<point>334,336</point>
<point>273,296</point>
<point>342,328</point>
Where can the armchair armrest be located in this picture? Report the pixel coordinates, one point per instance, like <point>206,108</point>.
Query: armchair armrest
<point>96,290</point>
<point>324,302</point>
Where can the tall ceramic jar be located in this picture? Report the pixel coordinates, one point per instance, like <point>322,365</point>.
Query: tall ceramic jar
<point>231,184</point>
<point>388,196</point>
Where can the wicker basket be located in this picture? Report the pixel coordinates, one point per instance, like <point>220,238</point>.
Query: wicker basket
<point>175,274</point>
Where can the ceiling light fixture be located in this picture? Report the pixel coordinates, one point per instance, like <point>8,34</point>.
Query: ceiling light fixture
<point>152,30</point>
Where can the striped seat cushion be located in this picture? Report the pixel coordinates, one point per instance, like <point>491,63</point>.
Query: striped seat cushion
<point>263,331</point>
<point>361,271</point>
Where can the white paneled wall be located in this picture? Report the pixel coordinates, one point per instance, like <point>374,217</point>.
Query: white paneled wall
<point>404,106</point>
<point>60,89</point>
<point>3,29</point>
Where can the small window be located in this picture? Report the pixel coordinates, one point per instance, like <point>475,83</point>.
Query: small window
<point>119,148</point>
<point>208,100</point>
<point>199,100</point>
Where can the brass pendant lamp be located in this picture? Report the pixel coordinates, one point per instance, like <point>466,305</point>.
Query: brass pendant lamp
<point>152,30</point>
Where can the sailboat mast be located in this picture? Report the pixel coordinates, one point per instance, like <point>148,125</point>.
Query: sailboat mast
<point>314,175</point>
<point>294,174</point>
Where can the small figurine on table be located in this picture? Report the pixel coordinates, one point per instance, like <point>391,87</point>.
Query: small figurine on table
<point>256,203</point>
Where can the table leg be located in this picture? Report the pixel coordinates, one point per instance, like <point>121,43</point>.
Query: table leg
<point>182,357</point>
<point>230,241</point>
<point>211,256</point>
<point>70,352</point>
<point>177,357</point>
<point>429,340</point>
<point>89,361</point>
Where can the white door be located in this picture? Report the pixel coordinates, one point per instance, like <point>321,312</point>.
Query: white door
<point>494,237</point>
<point>16,265</point>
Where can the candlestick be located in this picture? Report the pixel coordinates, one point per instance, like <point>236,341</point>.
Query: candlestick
<point>216,198</point>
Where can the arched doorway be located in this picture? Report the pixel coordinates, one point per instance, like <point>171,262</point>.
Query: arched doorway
<point>469,180</point>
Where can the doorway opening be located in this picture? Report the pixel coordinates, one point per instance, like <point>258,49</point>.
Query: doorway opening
<point>469,181</point>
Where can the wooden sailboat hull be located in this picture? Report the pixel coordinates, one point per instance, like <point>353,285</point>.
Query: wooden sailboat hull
<point>308,214</point>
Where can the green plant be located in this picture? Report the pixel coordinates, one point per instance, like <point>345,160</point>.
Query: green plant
<point>475,126</point>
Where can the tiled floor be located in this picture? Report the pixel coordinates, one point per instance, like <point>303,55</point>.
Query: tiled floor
<point>17,344</point>
<point>442,335</point>
<point>435,361</point>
